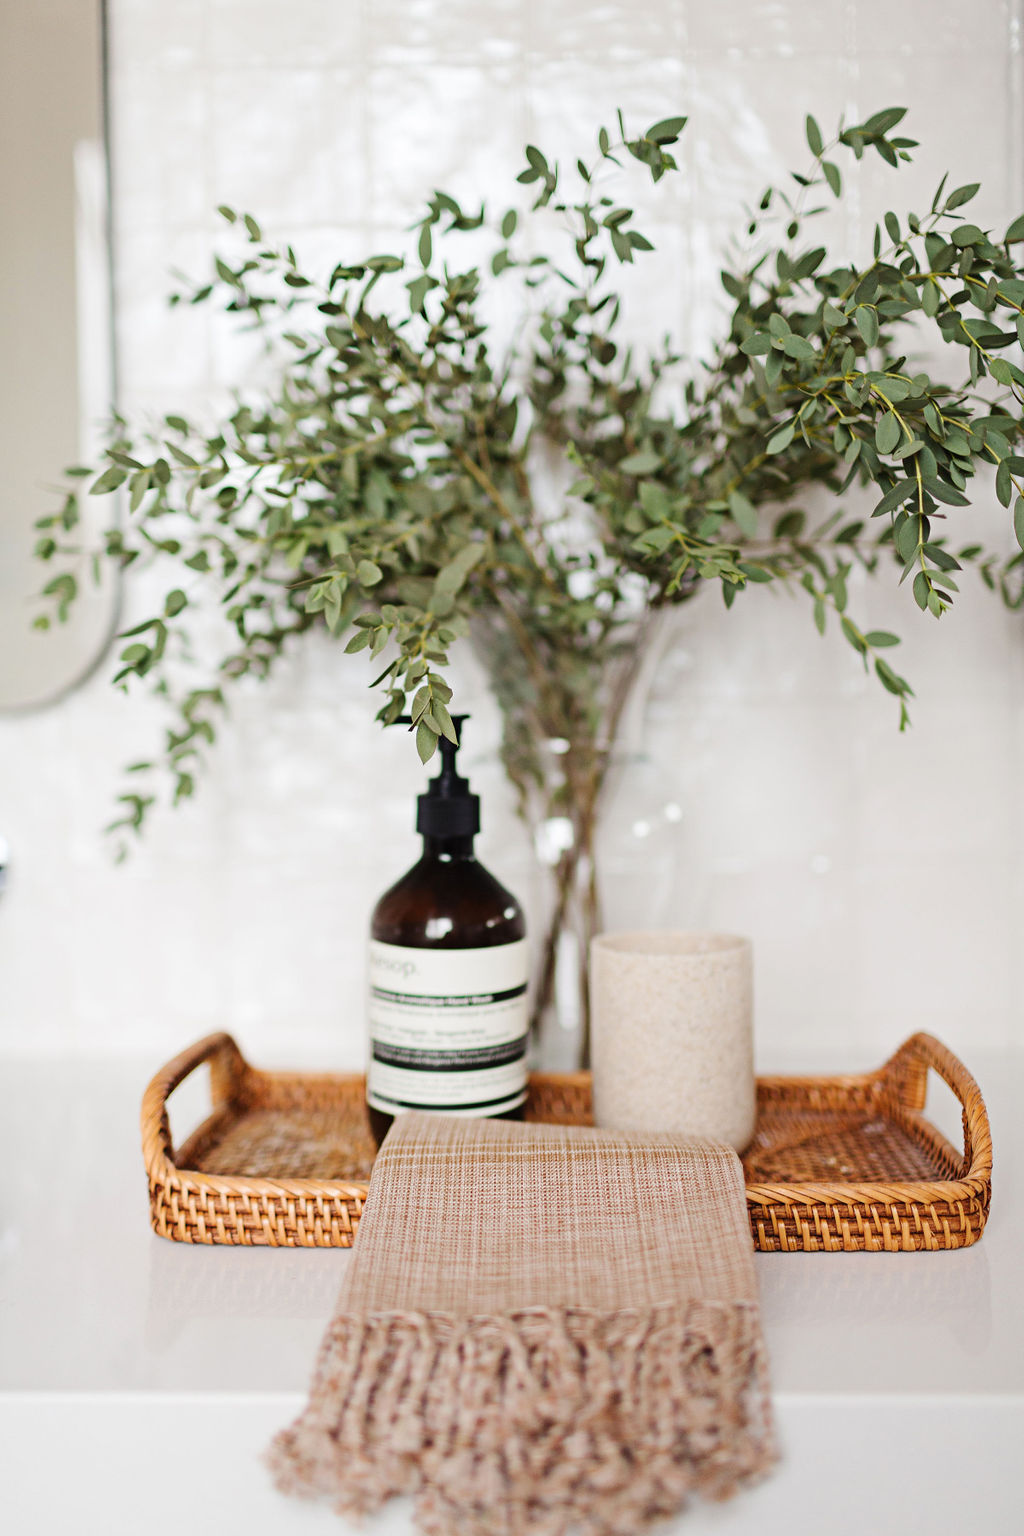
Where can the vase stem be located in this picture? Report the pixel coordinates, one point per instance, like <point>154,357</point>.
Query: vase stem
<point>560,736</point>
<point>544,996</point>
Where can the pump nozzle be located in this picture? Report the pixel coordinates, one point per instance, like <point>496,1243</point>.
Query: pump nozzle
<point>448,809</point>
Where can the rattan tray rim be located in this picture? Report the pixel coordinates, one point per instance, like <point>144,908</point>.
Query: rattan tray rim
<point>972,1185</point>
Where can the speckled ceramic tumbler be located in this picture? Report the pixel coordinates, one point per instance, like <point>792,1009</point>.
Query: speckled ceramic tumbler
<point>672,1043</point>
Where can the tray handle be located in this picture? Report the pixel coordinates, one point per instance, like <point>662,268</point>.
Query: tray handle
<point>910,1067</point>
<point>228,1068</point>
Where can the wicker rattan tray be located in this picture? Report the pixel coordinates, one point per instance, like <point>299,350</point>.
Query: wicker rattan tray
<point>837,1163</point>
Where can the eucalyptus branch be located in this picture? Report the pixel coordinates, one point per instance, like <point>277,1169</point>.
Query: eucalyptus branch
<point>384,487</point>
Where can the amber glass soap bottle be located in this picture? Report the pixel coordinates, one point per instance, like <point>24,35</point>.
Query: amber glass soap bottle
<point>447,973</point>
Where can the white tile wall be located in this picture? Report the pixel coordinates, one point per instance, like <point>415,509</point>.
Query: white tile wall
<point>881,876</point>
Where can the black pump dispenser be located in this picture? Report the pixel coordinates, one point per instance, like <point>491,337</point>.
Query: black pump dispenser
<point>448,809</point>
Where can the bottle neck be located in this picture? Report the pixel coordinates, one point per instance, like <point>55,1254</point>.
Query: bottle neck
<point>447,850</point>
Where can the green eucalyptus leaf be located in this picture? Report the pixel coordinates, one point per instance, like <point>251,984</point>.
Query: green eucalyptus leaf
<point>798,347</point>
<point>790,525</point>
<point>418,288</point>
<point>780,440</point>
<point>866,320</point>
<point>946,493</point>
<point>426,740</point>
<point>667,130</point>
<point>140,484</point>
<point>108,481</point>
<point>890,679</point>
<point>883,121</point>
<point>444,720</point>
<point>744,514</point>
<point>833,177</point>
<point>853,635</point>
<point>642,463</point>
<point>887,433</point>
<point>962,195</point>
<point>1004,483</point>
<point>908,538</point>
<point>451,578</point>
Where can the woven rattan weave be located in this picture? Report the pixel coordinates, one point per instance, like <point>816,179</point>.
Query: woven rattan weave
<point>837,1163</point>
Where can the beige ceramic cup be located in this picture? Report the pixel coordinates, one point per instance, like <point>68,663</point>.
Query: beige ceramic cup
<point>672,1044</point>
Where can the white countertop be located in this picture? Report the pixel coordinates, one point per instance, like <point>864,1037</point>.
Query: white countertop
<point>142,1375</point>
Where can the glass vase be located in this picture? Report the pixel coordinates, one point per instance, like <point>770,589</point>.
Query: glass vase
<point>602,816</point>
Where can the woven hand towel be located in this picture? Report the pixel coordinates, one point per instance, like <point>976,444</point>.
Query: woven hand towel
<point>543,1329</point>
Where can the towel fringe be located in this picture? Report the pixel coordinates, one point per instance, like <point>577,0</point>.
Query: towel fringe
<point>547,1421</point>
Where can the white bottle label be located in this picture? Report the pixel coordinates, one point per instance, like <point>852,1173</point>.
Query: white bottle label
<point>448,1029</point>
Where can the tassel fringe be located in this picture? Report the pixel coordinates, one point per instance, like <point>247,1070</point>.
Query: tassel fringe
<point>543,1422</point>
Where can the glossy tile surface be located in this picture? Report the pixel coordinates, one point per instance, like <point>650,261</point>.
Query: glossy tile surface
<point>880,876</point>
